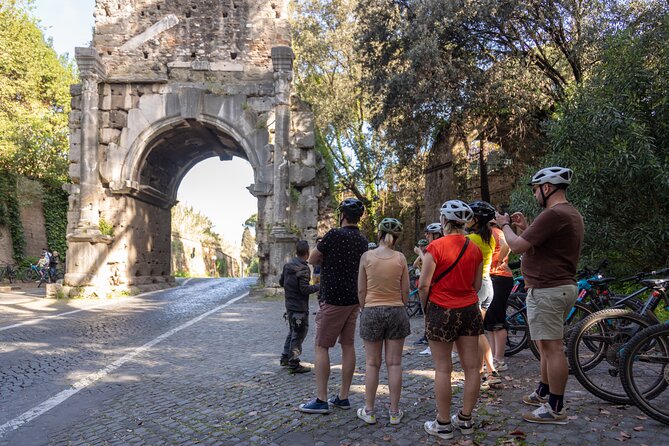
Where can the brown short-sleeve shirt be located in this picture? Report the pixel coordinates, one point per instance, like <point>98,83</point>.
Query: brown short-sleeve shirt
<point>556,236</point>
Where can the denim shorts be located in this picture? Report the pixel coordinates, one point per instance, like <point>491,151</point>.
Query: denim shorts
<point>379,323</point>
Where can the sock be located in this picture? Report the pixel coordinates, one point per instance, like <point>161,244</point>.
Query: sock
<point>464,417</point>
<point>542,390</point>
<point>443,423</point>
<point>556,402</point>
<point>318,400</point>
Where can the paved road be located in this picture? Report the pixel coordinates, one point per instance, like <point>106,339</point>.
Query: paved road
<point>207,372</point>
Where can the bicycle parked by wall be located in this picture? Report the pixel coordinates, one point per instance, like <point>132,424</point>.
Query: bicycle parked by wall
<point>7,272</point>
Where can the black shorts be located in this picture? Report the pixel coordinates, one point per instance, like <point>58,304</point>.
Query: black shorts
<point>495,318</point>
<point>448,324</point>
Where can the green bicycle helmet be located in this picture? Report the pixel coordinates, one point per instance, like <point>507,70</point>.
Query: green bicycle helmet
<point>391,226</point>
<point>422,243</point>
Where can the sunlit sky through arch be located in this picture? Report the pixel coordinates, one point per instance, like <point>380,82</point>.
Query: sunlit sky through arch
<point>215,188</point>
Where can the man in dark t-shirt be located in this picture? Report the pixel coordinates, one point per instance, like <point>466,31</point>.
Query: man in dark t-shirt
<point>551,246</point>
<point>339,256</point>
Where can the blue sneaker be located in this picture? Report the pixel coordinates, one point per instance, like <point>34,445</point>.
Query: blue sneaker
<point>315,406</point>
<point>342,404</point>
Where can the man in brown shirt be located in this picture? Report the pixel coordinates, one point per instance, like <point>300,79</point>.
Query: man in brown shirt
<point>551,246</point>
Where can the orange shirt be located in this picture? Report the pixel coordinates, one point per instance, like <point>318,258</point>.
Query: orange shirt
<point>455,289</point>
<point>494,269</point>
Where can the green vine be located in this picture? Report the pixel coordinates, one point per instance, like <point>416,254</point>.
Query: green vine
<point>55,203</point>
<point>106,228</point>
<point>10,213</point>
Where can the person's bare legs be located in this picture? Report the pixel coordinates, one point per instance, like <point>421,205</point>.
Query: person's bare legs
<point>470,362</point>
<point>498,345</point>
<point>372,365</point>
<point>441,356</point>
<point>347,369</point>
<point>485,353</point>
<point>554,367</point>
<point>394,348</point>
<point>322,369</point>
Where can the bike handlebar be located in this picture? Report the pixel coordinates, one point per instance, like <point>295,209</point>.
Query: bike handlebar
<point>642,274</point>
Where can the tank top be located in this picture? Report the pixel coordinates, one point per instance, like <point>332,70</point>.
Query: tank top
<point>384,279</point>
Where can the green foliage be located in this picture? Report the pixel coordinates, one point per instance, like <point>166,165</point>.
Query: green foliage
<point>10,213</point>
<point>106,228</point>
<point>55,203</point>
<point>249,249</point>
<point>222,267</point>
<point>34,98</point>
<point>252,221</point>
<point>613,131</point>
<point>254,267</point>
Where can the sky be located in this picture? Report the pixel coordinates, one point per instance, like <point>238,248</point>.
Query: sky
<point>215,188</point>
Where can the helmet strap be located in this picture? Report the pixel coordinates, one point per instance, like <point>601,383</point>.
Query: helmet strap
<point>544,198</point>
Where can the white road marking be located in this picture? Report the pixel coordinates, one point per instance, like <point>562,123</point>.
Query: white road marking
<point>93,377</point>
<point>92,307</point>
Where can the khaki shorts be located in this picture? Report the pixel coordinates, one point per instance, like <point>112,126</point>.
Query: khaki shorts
<point>336,322</point>
<point>547,309</point>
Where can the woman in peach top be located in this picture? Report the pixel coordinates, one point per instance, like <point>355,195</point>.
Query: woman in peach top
<point>383,290</point>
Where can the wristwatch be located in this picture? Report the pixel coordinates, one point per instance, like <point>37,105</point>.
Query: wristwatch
<point>506,224</point>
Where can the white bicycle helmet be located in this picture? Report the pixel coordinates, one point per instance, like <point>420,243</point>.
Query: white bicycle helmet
<point>554,175</point>
<point>457,210</point>
<point>391,225</point>
<point>433,228</point>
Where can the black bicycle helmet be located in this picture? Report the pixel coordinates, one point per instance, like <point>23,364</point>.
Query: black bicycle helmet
<point>390,225</point>
<point>352,207</point>
<point>483,210</point>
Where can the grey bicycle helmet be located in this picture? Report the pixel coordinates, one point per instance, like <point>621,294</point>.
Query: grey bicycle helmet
<point>352,207</point>
<point>482,210</point>
<point>372,245</point>
<point>433,228</point>
<point>390,225</point>
<point>554,175</point>
<point>456,210</point>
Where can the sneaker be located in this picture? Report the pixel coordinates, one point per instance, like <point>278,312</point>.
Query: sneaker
<point>494,378</point>
<point>284,361</point>
<point>421,341</point>
<point>465,426</point>
<point>501,366</point>
<point>533,399</point>
<point>545,415</point>
<point>455,358</point>
<point>437,429</point>
<point>485,385</point>
<point>395,417</point>
<point>299,368</point>
<point>426,352</point>
<point>342,404</point>
<point>315,406</point>
<point>367,417</point>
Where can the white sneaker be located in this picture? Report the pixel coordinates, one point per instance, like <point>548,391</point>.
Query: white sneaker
<point>426,352</point>
<point>395,417</point>
<point>501,366</point>
<point>367,417</point>
<point>444,431</point>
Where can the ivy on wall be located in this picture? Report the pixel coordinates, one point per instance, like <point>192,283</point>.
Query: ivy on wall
<point>10,213</point>
<point>55,203</point>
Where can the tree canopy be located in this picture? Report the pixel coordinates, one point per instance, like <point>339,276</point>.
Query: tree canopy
<point>34,97</point>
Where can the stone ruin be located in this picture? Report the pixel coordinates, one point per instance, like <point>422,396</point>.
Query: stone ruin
<point>165,85</point>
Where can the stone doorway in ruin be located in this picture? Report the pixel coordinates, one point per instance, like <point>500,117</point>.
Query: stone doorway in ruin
<point>166,85</point>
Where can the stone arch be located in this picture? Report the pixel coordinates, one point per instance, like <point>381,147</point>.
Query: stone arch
<point>153,74</point>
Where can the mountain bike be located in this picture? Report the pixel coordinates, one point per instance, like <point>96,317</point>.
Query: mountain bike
<point>644,371</point>
<point>8,272</point>
<point>596,344</point>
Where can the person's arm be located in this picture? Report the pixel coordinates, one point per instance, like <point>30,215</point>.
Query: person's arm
<point>303,278</point>
<point>478,277</point>
<point>515,242</point>
<point>503,254</point>
<point>362,281</point>
<point>283,273</point>
<point>425,280</point>
<point>315,257</point>
<point>404,283</point>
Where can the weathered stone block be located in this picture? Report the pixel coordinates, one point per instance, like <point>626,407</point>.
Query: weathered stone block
<point>108,135</point>
<point>301,175</point>
<point>118,118</point>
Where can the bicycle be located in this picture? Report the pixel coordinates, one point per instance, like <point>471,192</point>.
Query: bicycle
<point>413,305</point>
<point>596,344</point>
<point>36,274</point>
<point>644,371</point>
<point>8,272</point>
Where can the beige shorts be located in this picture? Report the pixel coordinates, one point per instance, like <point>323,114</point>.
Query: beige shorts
<point>547,309</point>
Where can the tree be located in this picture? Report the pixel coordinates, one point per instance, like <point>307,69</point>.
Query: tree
<point>328,76</point>
<point>249,249</point>
<point>34,98</point>
<point>252,221</point>
<point>613,131</point>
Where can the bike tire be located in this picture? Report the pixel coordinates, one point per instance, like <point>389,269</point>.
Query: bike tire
<point>638,350</point>
<point>413,306</point>
<point>597,370</point>
<point>29,275</point>
<point>517,332</point>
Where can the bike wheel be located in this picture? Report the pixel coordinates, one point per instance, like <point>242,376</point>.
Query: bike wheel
<point>413,304</point>
<point>517,333</point>
<point>594,351</point>
<point>29,275</point>
<point>644,371</point>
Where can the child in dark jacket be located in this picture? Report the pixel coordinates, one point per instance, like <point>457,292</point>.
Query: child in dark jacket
<point>295,281</point>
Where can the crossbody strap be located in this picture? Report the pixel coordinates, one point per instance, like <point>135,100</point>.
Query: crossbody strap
<point>448,270</point>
